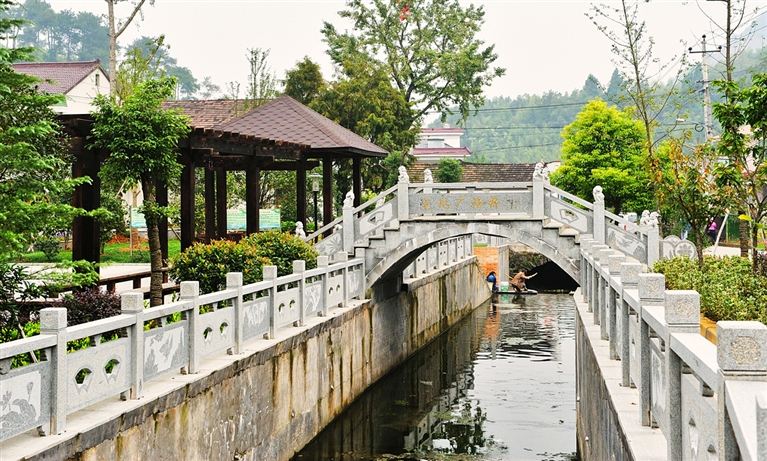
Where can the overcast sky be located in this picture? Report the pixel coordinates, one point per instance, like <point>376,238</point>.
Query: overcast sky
<point>544,45</point>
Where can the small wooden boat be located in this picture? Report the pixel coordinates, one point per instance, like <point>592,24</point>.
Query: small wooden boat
<point>513,292</point>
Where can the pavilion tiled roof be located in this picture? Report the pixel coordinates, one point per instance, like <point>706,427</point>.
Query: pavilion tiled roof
<point>206,113</point>
<point>481,172</point>
<point>286,119</point>
<point>63,76</point>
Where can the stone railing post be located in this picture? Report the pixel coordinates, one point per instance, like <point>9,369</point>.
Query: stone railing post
<point>614,301</point>
<point>343,257</point>
<point>270,274</point>
<point>653,245</point>
<point>682,309</point>
<point>299,267</point>
<point>761,426</point>
<point>234,282</point>
<point>599,221</point>
<point>585,242</point>
<point>652,289</point>
<point>322,263</point>
<point>348,220</point>
<point>629,281</point>
<point>600,314</point>
<point>360,254</point>
<point>190,291</point>
<point>594,282</point>
<point>403,204</point>
<point>539,204</point>
<point>53,321</point>
<point>741,351</point>
<point>133,304</point>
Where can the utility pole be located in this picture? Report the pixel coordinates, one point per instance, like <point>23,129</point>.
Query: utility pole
<point>708,118</point>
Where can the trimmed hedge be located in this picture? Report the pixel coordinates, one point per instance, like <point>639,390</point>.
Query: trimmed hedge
<point>728,289</point>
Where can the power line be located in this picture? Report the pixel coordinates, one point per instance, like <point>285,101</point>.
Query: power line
<point>494,109</point>
<point>516,147</point>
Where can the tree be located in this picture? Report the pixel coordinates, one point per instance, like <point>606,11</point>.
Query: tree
<point>143,61</point>
<point>33,155</point>
<point>428,48</point>
<point>141,139</point>
<point>449,170</point>
<point>744,142</point>
<point>116,29</point>
<point>604,147</point>
<point>633,51</point>
<point>304,82</point>
<point>685,188</point>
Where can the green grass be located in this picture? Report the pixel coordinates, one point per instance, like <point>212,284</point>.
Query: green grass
<point>117,253</point>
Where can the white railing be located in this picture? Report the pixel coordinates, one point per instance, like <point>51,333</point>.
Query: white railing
<point>178,336</point>
<point>710,402</point>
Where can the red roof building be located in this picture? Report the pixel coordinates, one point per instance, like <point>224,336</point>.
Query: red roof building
<point>80,82</point>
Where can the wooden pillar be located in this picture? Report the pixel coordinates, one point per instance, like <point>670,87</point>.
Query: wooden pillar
<point>301,191</point>
<point>252,196</point>
<point>210,205</point>
<point>357,178</point>
<point>221,203</point>
<point>162,200</point>
<point>327,190</point>
<point>187,202</point>
<point>85,230</point>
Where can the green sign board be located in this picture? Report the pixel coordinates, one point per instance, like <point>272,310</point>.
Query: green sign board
<point>237,219</point>
<point>137,220</point>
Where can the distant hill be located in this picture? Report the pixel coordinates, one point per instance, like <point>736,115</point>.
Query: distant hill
<point>528,128</point>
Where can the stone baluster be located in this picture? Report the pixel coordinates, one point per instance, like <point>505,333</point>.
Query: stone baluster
<point>348,230</point>
<point>741,351</point>
<point>234,282</point>
<point>653,245</point>
<point>599,221</point>
<point>322,263</point>
<point>629,281</point>
<point>761,426</point>
<point>190,291</point>
<point>585,242</point>
<point>652,289</point>
<point>613,302</point>
<point>270,274</point>
<point>299,267</point>
<point>600,315</point>
<point>539,204</point>
<point>595,277</point>
<point>343,257</point>
<point>133,304</point>
<point>682,312</point>
<point>403,210</point>
<point>53,321</point>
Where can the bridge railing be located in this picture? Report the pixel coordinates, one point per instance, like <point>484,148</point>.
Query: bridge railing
<point>710,402</point>
<point>144,344</point>
<point>439,255</point>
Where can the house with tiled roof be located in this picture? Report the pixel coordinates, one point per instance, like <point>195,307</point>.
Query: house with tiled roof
<point>80,82</point>
<point>435,144</point>
<point>483,172</point>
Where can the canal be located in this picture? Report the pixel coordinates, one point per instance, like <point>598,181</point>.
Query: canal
<point>497,386</point>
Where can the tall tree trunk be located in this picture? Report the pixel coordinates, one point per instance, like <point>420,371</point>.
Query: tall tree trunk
<point>153,217</point>
<point>112,46</point>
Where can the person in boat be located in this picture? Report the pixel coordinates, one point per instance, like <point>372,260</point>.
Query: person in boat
<point>518,281</point>
<point>494,280</point>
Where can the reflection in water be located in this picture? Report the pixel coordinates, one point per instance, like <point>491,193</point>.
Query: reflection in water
<point>500,385</point>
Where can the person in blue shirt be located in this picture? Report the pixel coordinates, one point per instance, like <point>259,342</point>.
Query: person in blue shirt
<point>494,280</point>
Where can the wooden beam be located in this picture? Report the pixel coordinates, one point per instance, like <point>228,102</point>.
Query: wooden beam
<point>210,205</point>
<point>357,180</point>
<point>301,192</point>
<point>327,190</point>
<point>85,230</point>
<point>252,197</point>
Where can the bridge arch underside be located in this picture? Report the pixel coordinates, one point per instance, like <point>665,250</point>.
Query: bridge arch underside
<point>396,261</point>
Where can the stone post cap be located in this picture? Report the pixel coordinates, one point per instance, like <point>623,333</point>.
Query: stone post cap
<point>130,303</point>
<point>603,255</point>
<point>234,279</point>
<point>342,256</point>
<point>299,266</point>
<point>586,241</point>
<point>359,252</point>
<point>53,319</point>
<point>323,261</point>
<point>682,307</point>
<point>189,290</point>
<point>630,273</point>
<point>614,262</point>
<point>270,272</point>
<point>741,346</point>
<point>652,287</point>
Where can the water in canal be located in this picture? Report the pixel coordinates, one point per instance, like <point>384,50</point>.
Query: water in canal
<point>498,386</point>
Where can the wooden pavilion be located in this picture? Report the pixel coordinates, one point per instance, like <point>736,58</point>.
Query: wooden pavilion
<point>281,134</point>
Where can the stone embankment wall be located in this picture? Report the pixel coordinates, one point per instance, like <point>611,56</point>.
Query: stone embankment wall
<point>267,403</point>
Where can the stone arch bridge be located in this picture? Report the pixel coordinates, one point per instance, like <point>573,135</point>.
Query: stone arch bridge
<point>420,224</point>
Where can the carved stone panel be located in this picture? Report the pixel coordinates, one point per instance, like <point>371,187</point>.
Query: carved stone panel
<point>23,403</point>
<point>470,203</point>
<point>165,349</point>
<point>576,218</point>
<point>626,243</point>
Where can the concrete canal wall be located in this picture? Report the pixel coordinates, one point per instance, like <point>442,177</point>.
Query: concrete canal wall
<point>268,402</point>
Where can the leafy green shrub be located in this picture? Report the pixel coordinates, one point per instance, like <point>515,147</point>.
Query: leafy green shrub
<point>282,249</point>
<point>728,289</point>
<point>89,305</point>
<point>49,246</point>
<point>287,226</point>
<point>209,264</point>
